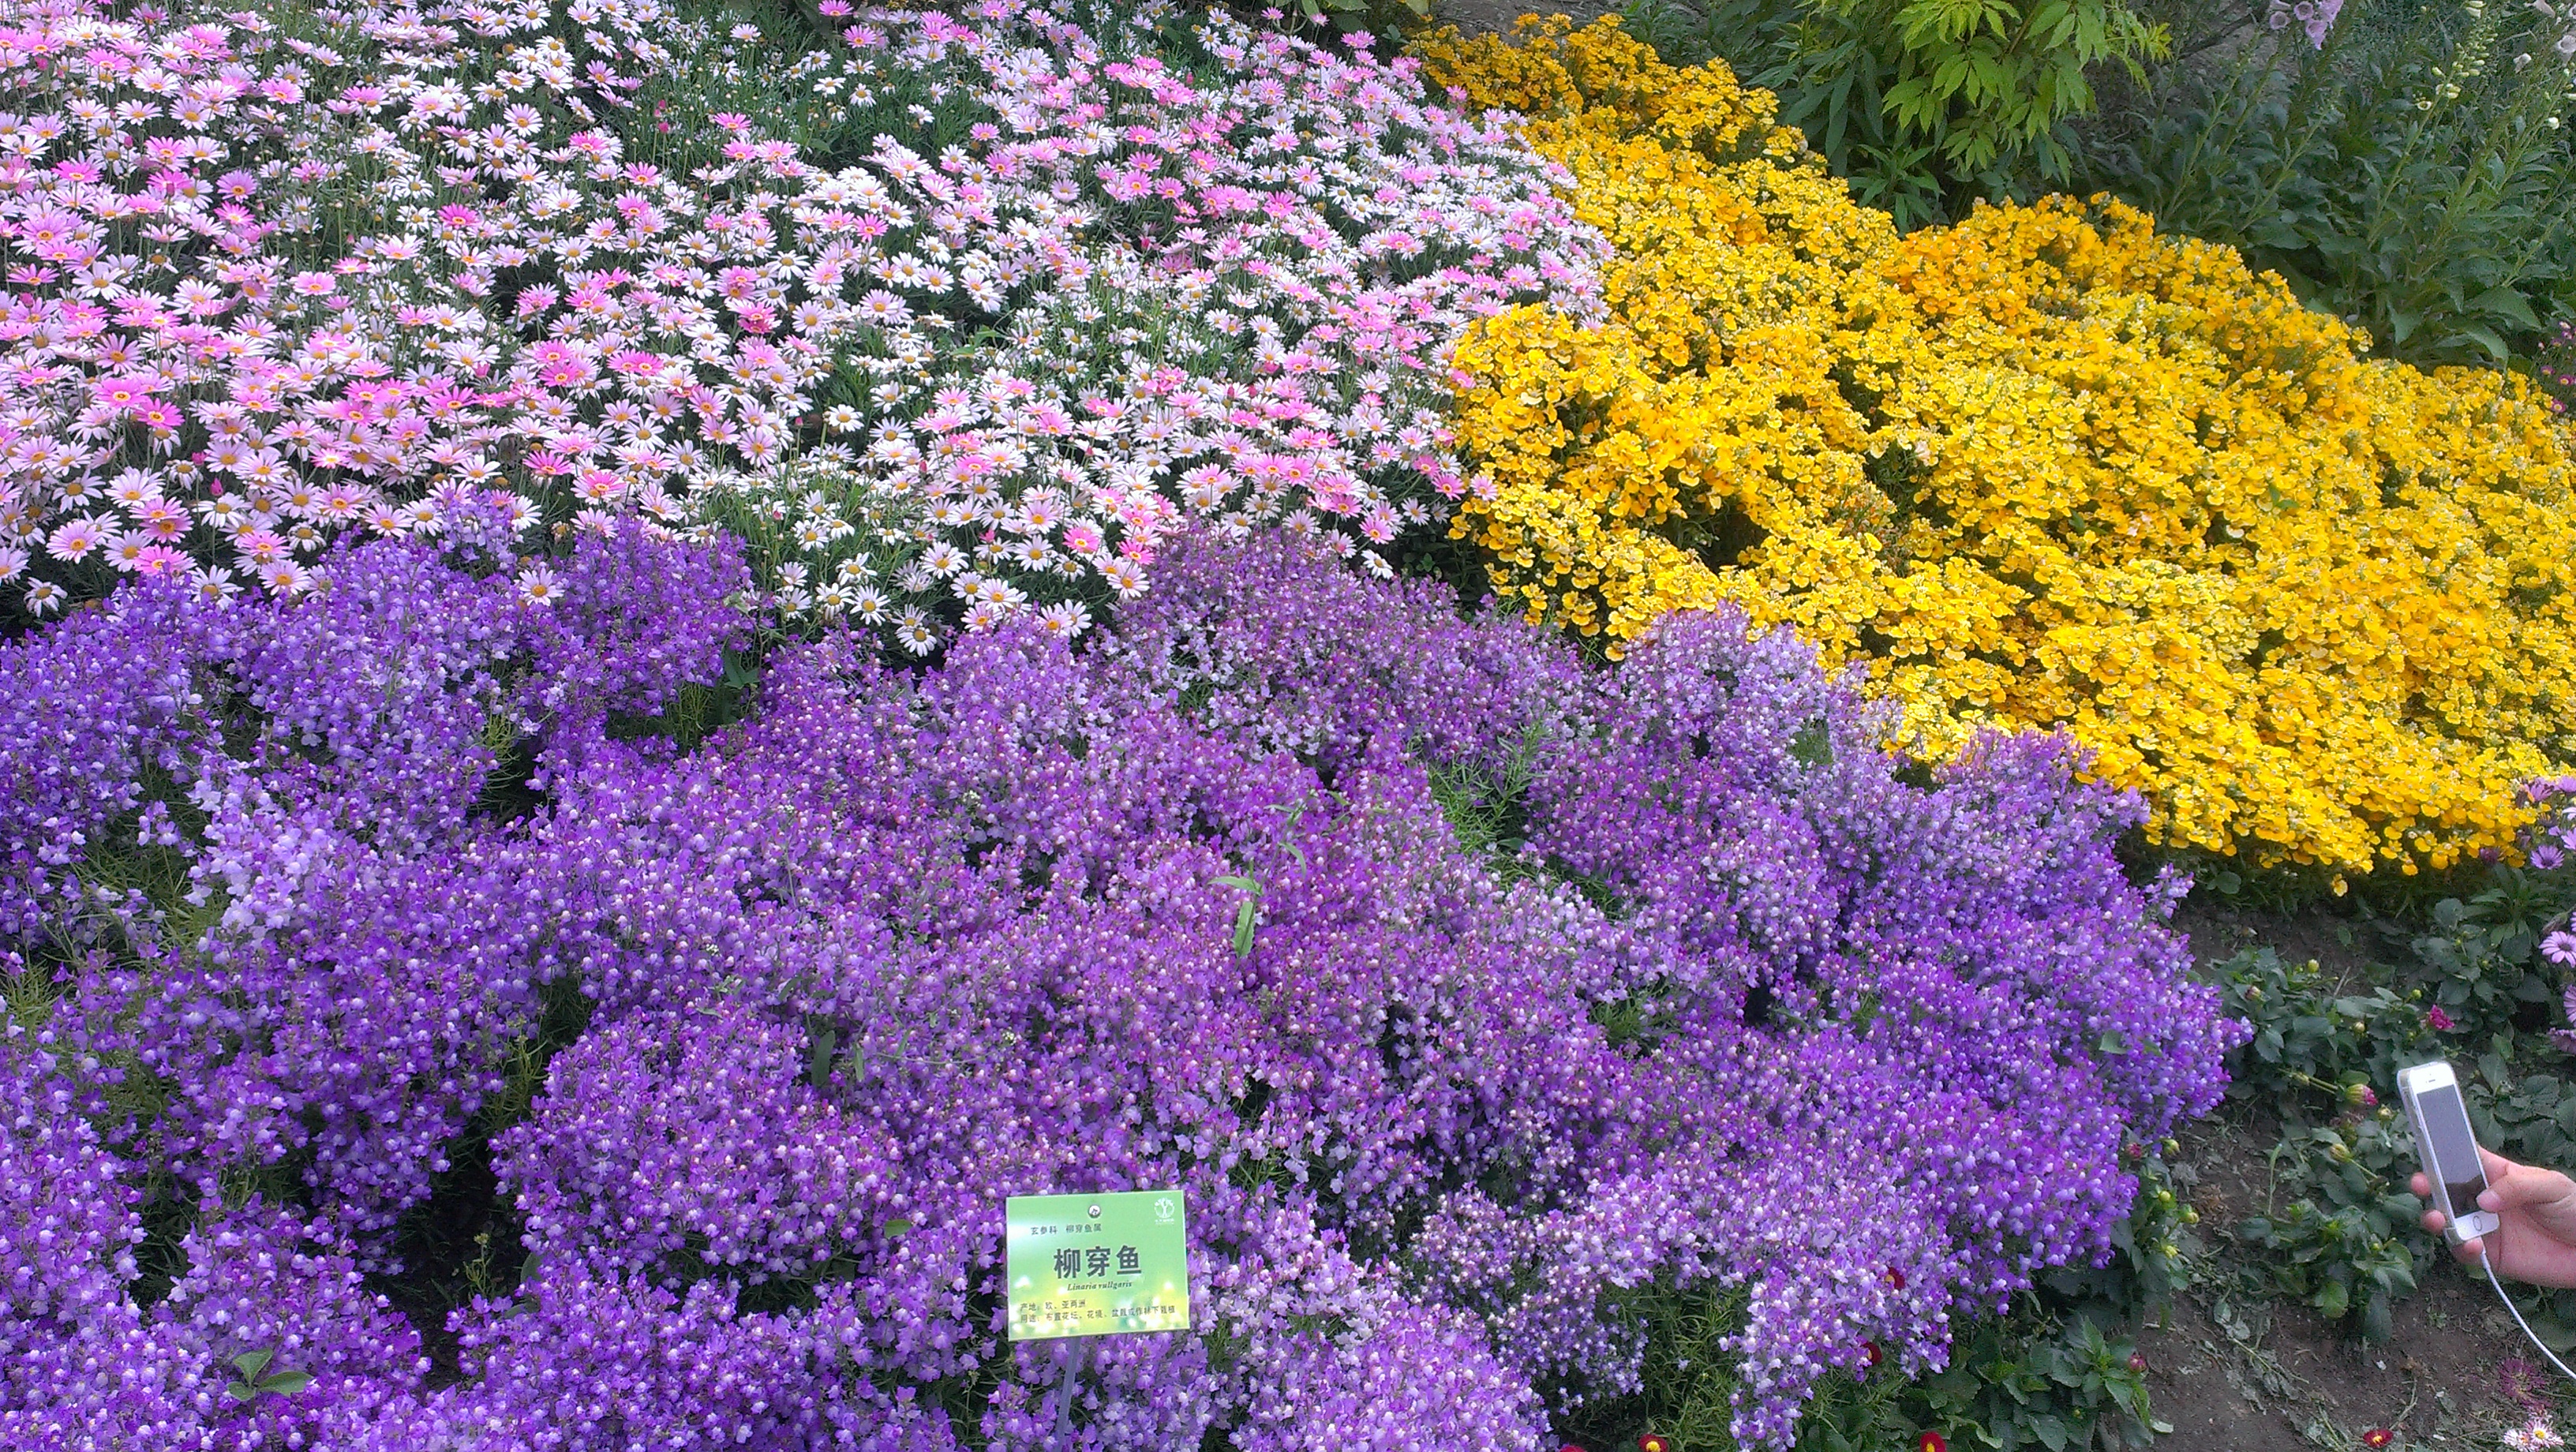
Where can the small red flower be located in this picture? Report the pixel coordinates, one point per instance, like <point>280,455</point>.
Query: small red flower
<point>1932,1442</point>
<point>1653,1442</point>
<point>1871,1353</point>
<point>1896,1278</point>
<point>2377,1437</point>
<point>2138,1362</point>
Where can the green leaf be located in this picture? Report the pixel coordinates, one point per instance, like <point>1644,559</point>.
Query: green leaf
<point>818,1060</point>
<point>1992,78</point>
<point>250,1364</point>
<point>2282,232</point>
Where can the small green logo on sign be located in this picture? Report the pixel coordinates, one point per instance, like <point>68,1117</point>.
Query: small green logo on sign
<point>1093,1265</point>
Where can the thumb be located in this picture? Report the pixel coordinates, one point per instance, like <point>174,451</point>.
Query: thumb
<point>2521,1186</point>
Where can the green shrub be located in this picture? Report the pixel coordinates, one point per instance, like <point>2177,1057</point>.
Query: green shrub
<point>1377,17</point>
<point>2334,1229</point>
<point>2412,172</point>
<point>1922,104</point>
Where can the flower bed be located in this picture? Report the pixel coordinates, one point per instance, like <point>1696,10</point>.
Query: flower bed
<point>2042,468</point>
<point>1742,1006</point>
<point>289,280</point>
<point>649,674</point>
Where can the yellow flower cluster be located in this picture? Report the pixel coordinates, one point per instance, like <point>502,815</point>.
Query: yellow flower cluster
<point>2042,468</point>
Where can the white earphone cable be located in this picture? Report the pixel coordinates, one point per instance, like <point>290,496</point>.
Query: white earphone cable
<point>2516,1312</point>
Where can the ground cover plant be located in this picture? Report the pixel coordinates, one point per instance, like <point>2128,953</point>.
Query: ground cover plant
<point>1736,1003</point>
<point>2308,1301</point>
<point>2042,468</point>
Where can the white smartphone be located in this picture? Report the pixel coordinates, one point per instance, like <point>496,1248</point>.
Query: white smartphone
<point>2448,1147</point>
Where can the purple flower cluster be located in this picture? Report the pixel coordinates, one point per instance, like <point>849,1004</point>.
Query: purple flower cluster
<point>1736,999</point>
<point>2316,17</point>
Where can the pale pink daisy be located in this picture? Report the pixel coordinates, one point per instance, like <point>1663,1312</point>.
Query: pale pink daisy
<point>161,519</point>
<point>125,550</point>
<point>158,560</point>
<point>1066,619</point>
<point>914,632</point>
<point>215,585</point>
<point>1123,577</point>
<point>261,547</point>
<point>77,540</point>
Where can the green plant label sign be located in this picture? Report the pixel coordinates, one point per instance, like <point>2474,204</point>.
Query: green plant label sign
<point>1095,1265</point>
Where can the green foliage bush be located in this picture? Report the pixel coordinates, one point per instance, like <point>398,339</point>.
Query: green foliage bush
<point>1377,17</point>
<point>2405,164</point>
<point>1921,104</point>
<point>2413,173</point>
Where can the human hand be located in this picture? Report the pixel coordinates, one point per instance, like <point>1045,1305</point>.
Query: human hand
<point>2536,1238</point>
